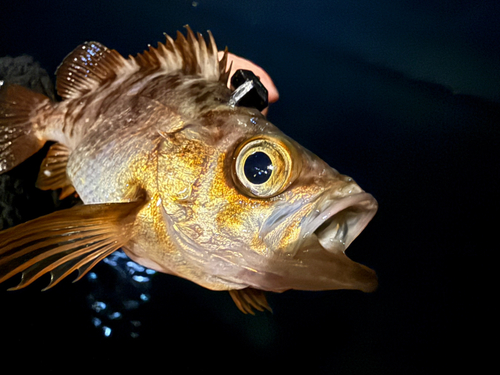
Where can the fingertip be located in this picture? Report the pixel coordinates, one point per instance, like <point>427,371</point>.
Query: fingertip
<point>241,63</point>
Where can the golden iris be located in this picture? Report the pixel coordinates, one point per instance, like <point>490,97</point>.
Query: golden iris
<point>263,167</point>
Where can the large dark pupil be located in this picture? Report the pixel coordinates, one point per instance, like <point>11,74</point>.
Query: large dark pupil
<point>258,168</point>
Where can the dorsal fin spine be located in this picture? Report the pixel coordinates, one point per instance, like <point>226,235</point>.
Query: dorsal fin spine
<point>190,54</point>
<point>91,64</point>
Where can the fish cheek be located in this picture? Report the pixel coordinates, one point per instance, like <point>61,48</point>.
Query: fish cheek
<point>236,218</point>
<point>182,165</point>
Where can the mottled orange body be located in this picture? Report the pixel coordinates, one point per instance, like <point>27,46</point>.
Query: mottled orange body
<point>184,182</point>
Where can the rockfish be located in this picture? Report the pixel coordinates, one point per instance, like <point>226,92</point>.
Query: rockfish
<point>180,178</point>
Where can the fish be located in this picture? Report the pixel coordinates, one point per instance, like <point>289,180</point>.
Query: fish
<point>180,178</point>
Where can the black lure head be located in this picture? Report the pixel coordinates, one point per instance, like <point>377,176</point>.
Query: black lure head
<point>248,90</point>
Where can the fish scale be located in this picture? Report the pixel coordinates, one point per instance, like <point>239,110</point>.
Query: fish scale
<point>157,151</point>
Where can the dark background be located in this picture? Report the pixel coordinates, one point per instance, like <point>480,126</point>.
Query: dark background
<point>401,95</point>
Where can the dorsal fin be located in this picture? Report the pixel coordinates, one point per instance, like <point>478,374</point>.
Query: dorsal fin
<point>191,55</point>
<point>89,65</point>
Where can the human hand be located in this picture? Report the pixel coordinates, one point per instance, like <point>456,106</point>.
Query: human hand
<point>241,63</point>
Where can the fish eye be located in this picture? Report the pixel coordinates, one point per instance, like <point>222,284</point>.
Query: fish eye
<point>263,166</point>
<point>258,167</point>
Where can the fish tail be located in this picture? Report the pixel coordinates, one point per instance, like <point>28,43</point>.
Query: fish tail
<point>21,124</point>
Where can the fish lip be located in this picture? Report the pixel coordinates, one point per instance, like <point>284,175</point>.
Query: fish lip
<point>358,208</point>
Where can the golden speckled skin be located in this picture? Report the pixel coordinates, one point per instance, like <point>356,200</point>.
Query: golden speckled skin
<point>173,136</point>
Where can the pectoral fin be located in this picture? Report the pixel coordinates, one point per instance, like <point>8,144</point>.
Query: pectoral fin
<point>64,241</point>
<point>52,173</point>
<point>248,299</point>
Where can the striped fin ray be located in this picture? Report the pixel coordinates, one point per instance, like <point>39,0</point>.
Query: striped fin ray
<point>89,66</point>
<point>248,299</point>
<point>65,241</point>
<point>192,55</point>
<point>92,64</point>
<point>19,131</point>
<point>52,175</point>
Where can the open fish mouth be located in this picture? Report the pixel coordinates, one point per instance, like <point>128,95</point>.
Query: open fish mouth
<point>339,222</point>
<point>318,260</point>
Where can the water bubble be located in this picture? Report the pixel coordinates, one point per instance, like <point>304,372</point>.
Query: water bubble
<point>98,306</point>
<point>140,279</point>
<point>115,315</point>
<point>134,267</point>
<point>107,331</point>
<point>96,322</point>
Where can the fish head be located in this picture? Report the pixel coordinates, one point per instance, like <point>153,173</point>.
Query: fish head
<point>247,206</point>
